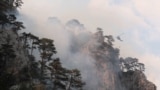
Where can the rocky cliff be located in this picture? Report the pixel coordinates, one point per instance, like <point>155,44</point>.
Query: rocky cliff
<point>115,73</point>
<point>136,80</point>
<point>19,70</point>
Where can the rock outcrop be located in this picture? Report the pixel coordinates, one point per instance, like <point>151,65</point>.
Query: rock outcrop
<point>108,67</point>
<point>107,63</point>
<point>136,80</point>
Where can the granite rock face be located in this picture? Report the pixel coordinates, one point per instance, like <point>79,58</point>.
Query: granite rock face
<point>136,80</point>
<point>108,67</point>
<point>107,64</point>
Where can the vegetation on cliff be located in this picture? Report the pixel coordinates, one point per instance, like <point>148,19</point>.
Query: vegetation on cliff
<point>34,74</point>
<point>28,62</point>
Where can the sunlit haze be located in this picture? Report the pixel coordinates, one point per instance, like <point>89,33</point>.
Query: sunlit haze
<point>137,22</point>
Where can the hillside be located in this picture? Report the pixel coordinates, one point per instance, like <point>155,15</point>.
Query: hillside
<point>28,62</point>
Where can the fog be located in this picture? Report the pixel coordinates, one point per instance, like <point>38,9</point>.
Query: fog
<point>71,37</point>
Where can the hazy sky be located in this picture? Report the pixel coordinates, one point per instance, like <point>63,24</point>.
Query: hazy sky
<point>136,21</point>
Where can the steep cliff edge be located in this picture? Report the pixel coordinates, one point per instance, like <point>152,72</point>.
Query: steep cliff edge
<point>27,62</point>
<point>116,73</point>
<point>136,80</point>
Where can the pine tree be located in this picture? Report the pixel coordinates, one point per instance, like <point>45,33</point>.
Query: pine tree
<point>6,55</point>
<point>63,78</point>
<point>46,49</point>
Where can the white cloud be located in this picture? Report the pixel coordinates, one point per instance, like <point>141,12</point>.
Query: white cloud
<point>98,4</point>
<point>149,9</point>
<point>119,17</point>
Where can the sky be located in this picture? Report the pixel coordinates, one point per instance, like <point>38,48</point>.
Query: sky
<point>137,22</point>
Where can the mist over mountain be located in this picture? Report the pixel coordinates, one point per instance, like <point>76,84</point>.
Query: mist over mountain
<point>99,62</point>
<point>51,55</point>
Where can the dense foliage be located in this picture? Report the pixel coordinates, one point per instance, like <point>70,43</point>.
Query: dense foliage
<point>34,73</point>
